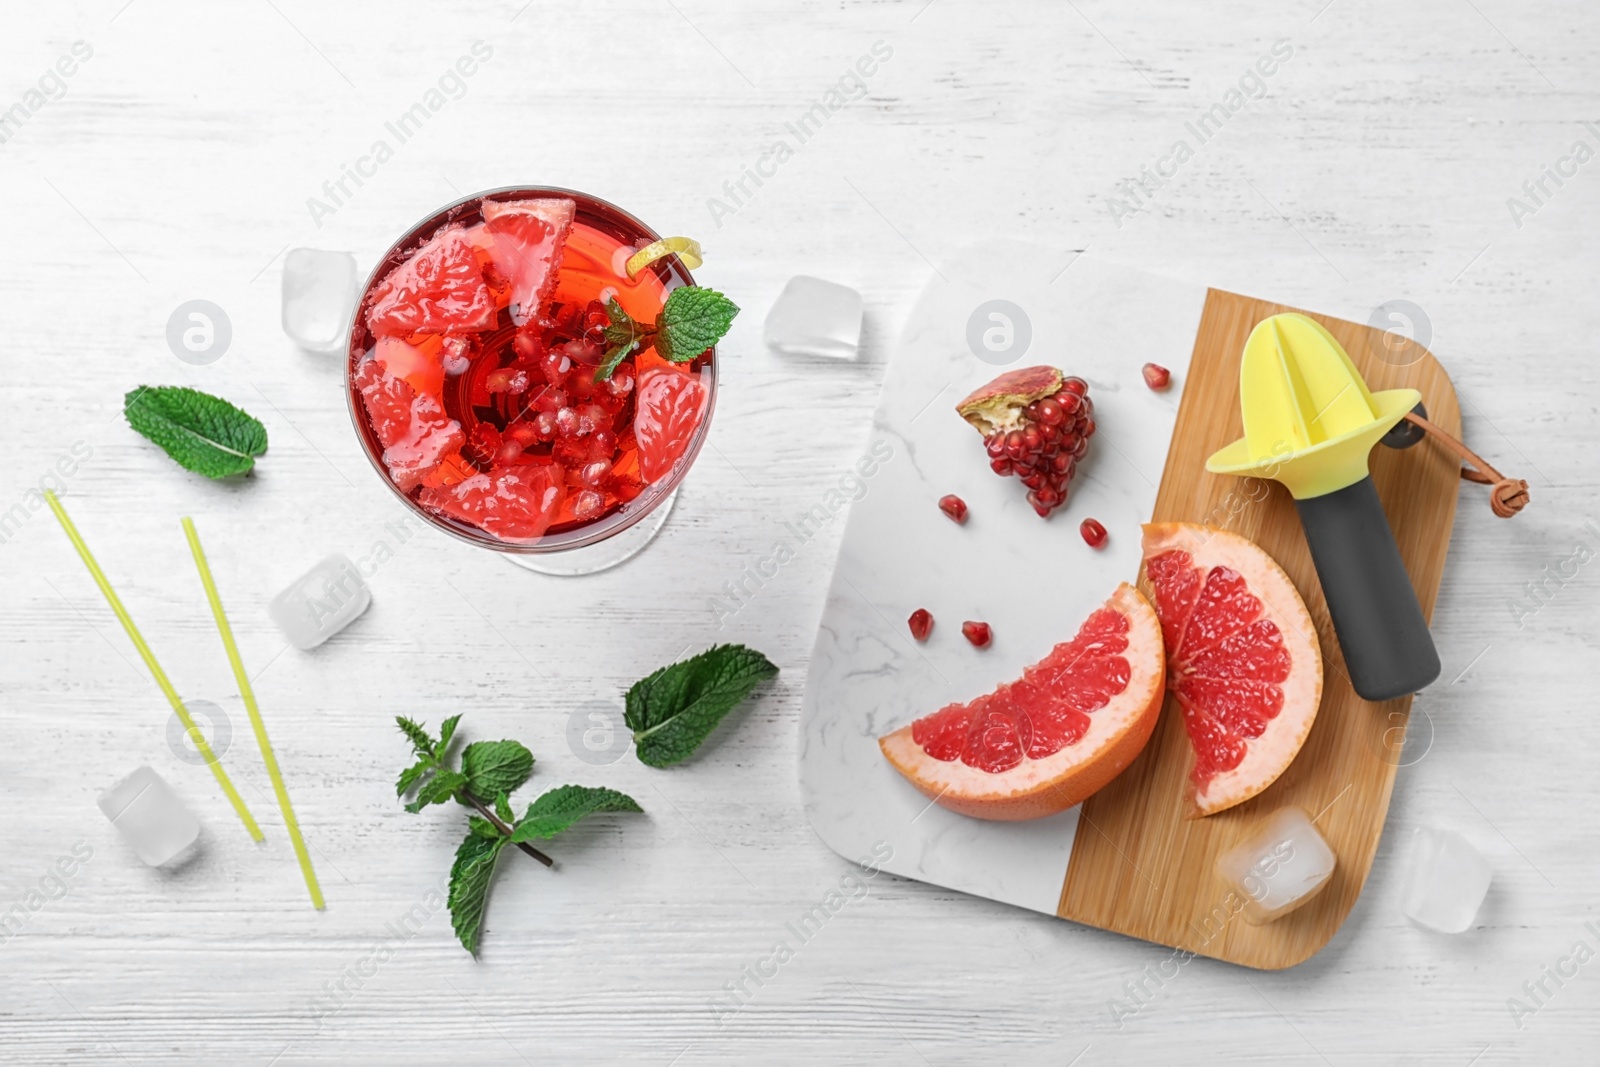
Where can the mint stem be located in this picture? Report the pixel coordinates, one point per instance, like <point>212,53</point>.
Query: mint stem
<point>483,810</point>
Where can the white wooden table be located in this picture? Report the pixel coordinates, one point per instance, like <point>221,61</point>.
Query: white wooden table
<point>176,163</point>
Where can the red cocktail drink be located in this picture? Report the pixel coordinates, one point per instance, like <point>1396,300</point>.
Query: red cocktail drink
<point>472,372</point>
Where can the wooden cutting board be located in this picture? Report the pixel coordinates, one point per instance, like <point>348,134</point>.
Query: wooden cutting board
<point>1126,860</point>
<point>1138,867</point>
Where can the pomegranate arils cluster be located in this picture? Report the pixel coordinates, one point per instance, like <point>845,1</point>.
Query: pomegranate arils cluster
<point>1036,425</point>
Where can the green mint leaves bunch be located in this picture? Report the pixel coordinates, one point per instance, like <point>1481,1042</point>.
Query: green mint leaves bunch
<point>488,773</point>
<point>691,321</point>
<point>670,713</point>
<point>203,433</point>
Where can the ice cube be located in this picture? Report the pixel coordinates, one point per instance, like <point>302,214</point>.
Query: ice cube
<point>1445,882</point>
<point>319,292</point>
<point>815,318</point>
<point>1279,867</point>
<point>149,814</point>
<point>321,602</point>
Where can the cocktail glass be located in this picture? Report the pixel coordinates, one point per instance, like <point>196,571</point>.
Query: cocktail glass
<point>505,386</point>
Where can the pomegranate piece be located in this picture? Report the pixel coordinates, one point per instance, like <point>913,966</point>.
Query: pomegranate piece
<point>1093,533</point>
<point>1036,425</point>
<point>954,507</point>
<point>1156,376</point>
<point>921,623</point>
<point>978,633</point>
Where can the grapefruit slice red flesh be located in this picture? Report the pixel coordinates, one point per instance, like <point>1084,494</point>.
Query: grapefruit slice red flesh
<point>413,428</point>
<point>514,503</point>
<point>1048,740</point>
<point>438,289</point>
<point>668,410</point>
<point>526,250</point>
<point>1243,660</point>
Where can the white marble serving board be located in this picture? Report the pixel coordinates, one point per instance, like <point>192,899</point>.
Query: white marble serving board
<point>1032,580</point>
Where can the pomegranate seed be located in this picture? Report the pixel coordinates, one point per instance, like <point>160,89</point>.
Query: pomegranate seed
<point>555,366</point>
<point>978,633</point>
<point>1033,479</point>
<point>509,450</point>
<point>566,422</point>
<point>954,507</point>
<point>1092,532</point>
<point>1088,430</point>
<point>995,445</point>
<point>1049,496</point>
<point>1060,462</point>
<point>593,473</point>
<point>619,383</point>
<point>1032,438</point>
<point>1001,466</point>
<point>1088,409</point>
<point>550,399</point>
<point>921,623</point>
<point>588,504</point>
<point>1016,445</point>
<point>1070,403</point>
<point>520,382</point>
<point>498,381</point>
<point>603,445</point>
<point>1073,385</point>
<point>1156,376</point>
<point>522,433</point>
<point>544,424</point>
<point>527,346</point>
<point>1051,413</point>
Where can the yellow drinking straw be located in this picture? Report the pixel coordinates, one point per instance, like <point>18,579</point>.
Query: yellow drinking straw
<point>155,668</point>
<point>255,713</point>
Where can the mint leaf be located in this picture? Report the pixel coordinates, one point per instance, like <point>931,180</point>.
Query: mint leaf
<point>441,787</point>
<point>203,433</point>
<point>421,742</point>
<point>494,767</point>
<point>623,338</point>
<point>483,828</point>
<point>692,320</point>
<point>561,807</point>
<point>673,710</point>
<point>469,887</point>
<point>502,808</point>
<point>411,776</point>
<point>447,730</point>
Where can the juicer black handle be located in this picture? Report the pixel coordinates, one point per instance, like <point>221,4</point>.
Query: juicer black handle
<point>1386,643</point>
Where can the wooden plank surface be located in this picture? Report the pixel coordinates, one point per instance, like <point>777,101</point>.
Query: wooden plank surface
<point>1138,866</point>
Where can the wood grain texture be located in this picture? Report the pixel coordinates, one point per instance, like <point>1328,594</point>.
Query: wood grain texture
<point>178,164</point>
<point>1139,866</point>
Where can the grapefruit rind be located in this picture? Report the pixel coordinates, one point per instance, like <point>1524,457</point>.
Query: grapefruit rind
<point>1270,754</point>
<point>1117,733</point>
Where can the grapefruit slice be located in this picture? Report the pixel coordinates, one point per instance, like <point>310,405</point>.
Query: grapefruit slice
<point>440,288</point>
<point>1051,738</point>
<point>413,428</point>
<point>667,413</point>
<point>528,235</point>
<point>1242,658</point>
<point>513,503</point>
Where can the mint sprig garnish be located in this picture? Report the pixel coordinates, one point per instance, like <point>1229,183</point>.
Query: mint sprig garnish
<point>203,433</point>
<point>492,769</point>
<point>673,710</point>
<point>691,321</point>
